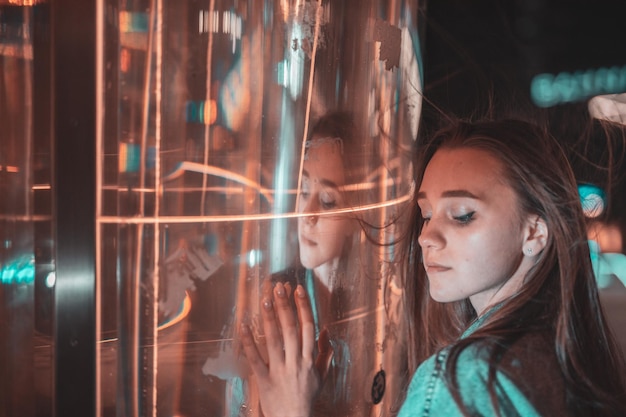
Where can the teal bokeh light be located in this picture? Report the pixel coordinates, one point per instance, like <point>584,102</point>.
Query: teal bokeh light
<point>548,90</point>
<point>18,271</point>
<point>592,199</point>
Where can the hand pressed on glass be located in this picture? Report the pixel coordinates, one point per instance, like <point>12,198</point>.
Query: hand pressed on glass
<point>293,376</point>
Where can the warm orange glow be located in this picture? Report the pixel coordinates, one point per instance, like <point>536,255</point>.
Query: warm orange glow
<point>124,60</point>
<point>608,236</point>
<point>210,112</point>
<point>9,168</point>
<point>25,2</point>
<point>243,217</point>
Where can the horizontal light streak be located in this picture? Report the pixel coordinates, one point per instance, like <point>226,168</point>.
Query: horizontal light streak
<point>243,217</point>
<point>25,218</point>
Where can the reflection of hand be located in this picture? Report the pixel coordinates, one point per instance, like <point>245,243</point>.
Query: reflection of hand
<point>292,378</point>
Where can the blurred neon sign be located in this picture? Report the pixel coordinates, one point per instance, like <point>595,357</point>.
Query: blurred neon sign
<point>133,22</point>
<point>547,90</point>
<point>18,271</point>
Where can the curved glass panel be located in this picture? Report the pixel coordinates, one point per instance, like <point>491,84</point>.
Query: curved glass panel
<point>245,143</point>
<point>26,260</point>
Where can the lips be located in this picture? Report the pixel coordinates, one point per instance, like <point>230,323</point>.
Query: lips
<point>433,268</point>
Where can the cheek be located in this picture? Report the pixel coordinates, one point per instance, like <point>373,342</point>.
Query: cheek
<point>475,252</point>
<point>490,253</point>
<point>333,232</point>
<point>334,226</point>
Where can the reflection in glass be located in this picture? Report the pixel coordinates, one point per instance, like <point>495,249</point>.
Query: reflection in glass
<point>246,142</point>
<point>25,207</point>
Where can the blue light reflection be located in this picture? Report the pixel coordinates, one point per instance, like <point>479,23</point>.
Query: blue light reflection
<point>18,271</point>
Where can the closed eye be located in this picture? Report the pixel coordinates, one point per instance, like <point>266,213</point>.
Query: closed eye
<point>465,218</point>
<point>329,205</point>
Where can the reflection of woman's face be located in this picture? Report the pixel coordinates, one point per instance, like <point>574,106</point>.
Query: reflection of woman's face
<point>322,236</point>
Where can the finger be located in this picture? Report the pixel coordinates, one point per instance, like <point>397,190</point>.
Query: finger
<point>252,353</point>
<point>288,323</point>
<point>307,324</point>
<point>325,356</point>
<point>272,333</point>
<point>266,289</point>
<point>288,289</point>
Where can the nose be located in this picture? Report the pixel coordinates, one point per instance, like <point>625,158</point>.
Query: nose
<point>312,207</point>
<point>431,236</point>
<point>311,219</point>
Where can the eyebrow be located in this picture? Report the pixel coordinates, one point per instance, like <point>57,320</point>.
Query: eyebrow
<point>450,193</point>
<point>323,181</point>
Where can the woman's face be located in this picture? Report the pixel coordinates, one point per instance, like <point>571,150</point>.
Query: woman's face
<point>473,235</point>
<point>322,235</point>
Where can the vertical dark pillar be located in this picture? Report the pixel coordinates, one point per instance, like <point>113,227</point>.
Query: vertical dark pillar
<point>73,110</point>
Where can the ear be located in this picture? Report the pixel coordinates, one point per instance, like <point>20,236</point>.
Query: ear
<point>535,235</point>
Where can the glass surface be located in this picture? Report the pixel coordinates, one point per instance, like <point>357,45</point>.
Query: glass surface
<point>26,264</point>
<point>216,179</point>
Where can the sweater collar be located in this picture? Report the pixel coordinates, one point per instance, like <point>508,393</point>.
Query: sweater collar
<point>480,320</point>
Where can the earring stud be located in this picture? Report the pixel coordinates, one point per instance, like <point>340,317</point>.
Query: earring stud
<point>529,251</point>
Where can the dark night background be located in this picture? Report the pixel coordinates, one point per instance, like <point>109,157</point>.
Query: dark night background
<point>480,56</point>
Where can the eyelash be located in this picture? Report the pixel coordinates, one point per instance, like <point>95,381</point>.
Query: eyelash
<point>466,218</point>
<point>326,205</point>
<point>463,220</point>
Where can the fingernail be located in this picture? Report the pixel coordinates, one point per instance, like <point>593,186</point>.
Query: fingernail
<point>300,291</point>
<point>280,290</point>
<point>245,329</point>
<point>267,304</point>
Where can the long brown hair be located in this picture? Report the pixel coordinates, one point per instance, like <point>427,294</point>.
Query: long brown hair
<point>559,294</point>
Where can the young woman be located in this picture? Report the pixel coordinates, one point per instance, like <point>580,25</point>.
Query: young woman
<point>507,319</point>
<point>326,264</point>
<point>332,161</point>
<point>502,244</point>
<point>329,262</point>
